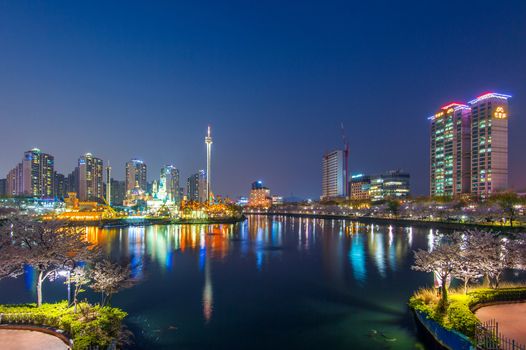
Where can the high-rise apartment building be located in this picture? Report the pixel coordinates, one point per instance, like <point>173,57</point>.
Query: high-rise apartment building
<point>59,185</point>
<point>489,143</point>
<point>136,175</point>
<point>196,187</point>
<point>172,183</point>
<point>33,176</point>
<point>3,187</point>
<point>334,175</point>
<point>118,192</point>
<point>469,147</point>
<point>91,180</point>
<point>450,150</point>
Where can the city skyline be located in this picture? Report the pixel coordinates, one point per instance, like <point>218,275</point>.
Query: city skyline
<point>144,80</point>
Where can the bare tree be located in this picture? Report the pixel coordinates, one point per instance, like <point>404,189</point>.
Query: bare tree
<point>109,278</point>
<point>49,247</point>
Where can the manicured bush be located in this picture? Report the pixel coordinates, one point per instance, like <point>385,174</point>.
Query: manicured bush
<point>457,314</point>
<point>90,327</point>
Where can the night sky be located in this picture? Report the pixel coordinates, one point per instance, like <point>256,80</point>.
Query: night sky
<point>275,79</point>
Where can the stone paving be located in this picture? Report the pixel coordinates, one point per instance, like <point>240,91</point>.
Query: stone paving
<point>11,339</point>
<point>511,319</point>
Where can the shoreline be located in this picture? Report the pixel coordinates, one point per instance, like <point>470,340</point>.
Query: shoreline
<point>131,222</point>
<point>397,221</point>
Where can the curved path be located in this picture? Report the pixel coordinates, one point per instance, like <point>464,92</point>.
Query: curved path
<point>11,339</point>
<point>511,319</point>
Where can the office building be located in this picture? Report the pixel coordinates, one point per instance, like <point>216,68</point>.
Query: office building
<point>90,185</point>
<point>259,196</point>
<point>450,150</point>
<point>334,175</point>
<point>360,187</point>
<point>136,175</point>
<point>391,185</point>
<point>489,144</point>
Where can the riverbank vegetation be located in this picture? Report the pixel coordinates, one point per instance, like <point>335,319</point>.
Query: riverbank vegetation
<point>457,313</point>
<point>91,326</point>
<point>476,259</point>
<point>54,250</point>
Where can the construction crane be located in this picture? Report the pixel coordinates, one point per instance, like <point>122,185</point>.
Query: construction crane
<point>346,160</point>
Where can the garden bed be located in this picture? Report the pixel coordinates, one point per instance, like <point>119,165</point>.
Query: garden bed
<point>91,326</point>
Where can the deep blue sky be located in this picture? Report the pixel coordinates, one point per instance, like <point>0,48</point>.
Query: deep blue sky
<point>274,78</point>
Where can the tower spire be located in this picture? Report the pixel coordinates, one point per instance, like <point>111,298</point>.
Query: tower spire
<point>208,142</point>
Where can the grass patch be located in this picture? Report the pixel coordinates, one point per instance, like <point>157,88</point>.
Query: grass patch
<point>457,314</point>
<point>91,326</point>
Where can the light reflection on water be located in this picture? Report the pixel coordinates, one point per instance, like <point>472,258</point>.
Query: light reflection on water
<point>299,282</point>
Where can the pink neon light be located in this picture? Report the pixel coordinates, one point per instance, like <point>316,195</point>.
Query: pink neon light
<point>452,104</point>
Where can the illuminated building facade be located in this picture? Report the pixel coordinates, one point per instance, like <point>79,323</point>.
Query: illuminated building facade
<point>108,184</point>
<point>136,174</point>
<point>391,185</point>
<point>172,183</point>
<point>33,176</point>
<point>360,187</point>
<point>450,150</point>
<point>489,143</point>
<point>333,175</point>
<point>259,196</point>
<point>90,178</point>
<point>469,147</point>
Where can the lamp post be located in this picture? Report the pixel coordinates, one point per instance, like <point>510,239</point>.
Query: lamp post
<point>67,274</point>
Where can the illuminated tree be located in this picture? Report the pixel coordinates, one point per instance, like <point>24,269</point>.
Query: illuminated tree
<point>48,247</point>
<point>507,201</point>
<point>108,279</point>
<point>11,261</point>
<point>496,253</point>
<point>442,261</point>
<point>80,277</point>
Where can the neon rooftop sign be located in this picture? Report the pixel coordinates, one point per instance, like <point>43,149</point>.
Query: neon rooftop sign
<point>487,95</point>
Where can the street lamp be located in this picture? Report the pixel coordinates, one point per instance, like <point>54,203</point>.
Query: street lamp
<point>67,275</point>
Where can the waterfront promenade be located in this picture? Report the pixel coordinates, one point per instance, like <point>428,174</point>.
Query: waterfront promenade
<point>16,339</point>
<point>510,317</point>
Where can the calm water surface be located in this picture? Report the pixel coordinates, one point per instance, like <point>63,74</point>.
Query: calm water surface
<point>267,283</point>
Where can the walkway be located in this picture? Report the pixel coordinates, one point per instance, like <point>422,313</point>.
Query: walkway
<point>511,319</point>
<point>29,340</point>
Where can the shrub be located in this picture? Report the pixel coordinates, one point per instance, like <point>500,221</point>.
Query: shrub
<point>95,326</point>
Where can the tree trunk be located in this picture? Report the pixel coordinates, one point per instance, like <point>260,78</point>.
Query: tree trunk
<point>39,288</point>
<point>466,285</point>
<point>444,290</point>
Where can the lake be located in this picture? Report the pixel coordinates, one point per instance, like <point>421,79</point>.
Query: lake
<point>267,283</point>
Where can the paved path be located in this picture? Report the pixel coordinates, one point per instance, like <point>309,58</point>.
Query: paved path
<point>11,339</point>
<point>511,319</point>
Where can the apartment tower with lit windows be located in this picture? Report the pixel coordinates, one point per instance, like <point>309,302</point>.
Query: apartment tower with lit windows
<point>469,147</point>
<point>450,150</point>
<point>489,144</point>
